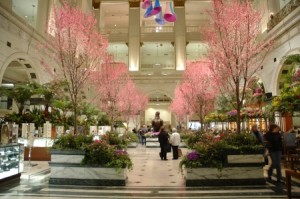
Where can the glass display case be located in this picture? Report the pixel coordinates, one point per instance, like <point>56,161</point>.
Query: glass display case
<point>11,160</point>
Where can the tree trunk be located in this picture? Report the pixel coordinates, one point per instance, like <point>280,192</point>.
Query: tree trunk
<point>75,118</point>
<point>238,109</point>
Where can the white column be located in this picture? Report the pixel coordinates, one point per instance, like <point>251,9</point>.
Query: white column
<point>180,36</point>
<point>273,6</point>
<point>97,16</point>
<point>134,37</point>
<point>101,17</point>
<point>86,5</point>
<point>42,16</point>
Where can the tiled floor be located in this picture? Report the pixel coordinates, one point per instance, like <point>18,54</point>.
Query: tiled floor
<point>150,178</point>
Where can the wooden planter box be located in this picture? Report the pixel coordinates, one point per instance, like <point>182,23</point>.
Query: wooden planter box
<point>66,169</point>
<point>241,170</point>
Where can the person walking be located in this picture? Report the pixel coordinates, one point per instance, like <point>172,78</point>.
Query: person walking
<point>144,130</point>
<point>273,140</point>
<point>260,140</point>
<point>163,138</point>
<point>175,141</point>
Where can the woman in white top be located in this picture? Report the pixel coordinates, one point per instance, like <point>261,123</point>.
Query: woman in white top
<point>175,141</point>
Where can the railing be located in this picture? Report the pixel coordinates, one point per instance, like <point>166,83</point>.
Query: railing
<point>285,11</point>
<point>114,31</point>
<point>157,29</point>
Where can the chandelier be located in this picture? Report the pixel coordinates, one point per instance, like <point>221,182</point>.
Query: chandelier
<point>160,18</point>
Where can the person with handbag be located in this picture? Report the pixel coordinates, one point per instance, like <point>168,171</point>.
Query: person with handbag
<point>163,138</point>
<point>175,141</point>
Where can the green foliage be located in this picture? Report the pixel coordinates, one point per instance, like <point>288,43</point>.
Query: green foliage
<point>114,139</point>
<point>72,142</point>
<point>100,153</point>
<point>129,137</point>
<point>103,121</point>
<point>120,160</point>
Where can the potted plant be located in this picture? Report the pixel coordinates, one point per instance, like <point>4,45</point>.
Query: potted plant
<point>233,159</point>
<point>78,160</point>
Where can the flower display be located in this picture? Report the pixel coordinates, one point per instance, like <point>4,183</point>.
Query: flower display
<point>194,155</point>
<point>210,152</point>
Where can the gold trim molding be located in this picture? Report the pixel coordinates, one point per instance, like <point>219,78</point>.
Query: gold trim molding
<point>134,3</point>
<point>179,3</point>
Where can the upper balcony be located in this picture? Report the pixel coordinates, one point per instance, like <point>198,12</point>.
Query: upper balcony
<point>282,14</point>
<point>152,34</point>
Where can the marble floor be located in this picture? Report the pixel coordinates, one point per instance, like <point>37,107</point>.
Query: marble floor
<point>150,178</point>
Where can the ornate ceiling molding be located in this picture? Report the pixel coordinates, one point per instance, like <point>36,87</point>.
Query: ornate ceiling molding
<point>179,3</point>
<point>134,3</point>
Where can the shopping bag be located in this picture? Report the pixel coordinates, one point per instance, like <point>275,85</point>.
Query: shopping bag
<point>179,153</point>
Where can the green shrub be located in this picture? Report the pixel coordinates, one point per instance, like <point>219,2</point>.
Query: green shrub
<point>72,142</point>
<point>100,153</point>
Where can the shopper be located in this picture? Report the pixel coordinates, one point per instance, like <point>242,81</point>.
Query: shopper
<point>144,130</point>
<point>260,140</point>
<point>175,141</point>
<point>163,138</point>
<point>273,140</point>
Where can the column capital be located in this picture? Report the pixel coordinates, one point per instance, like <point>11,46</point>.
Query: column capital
<point>179,2</point>
<point>134,3</point>
<point>96,4</point>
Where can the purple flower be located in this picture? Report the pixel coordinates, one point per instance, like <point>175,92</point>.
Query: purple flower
<point>232,112</point>
<point>121,152</point>
<point>194,155</point>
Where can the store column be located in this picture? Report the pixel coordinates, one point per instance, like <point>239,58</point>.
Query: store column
<point>42,16</point>
<point>134,35</point>
<point>273,6</point>
<point>180,35</point>
<point>97,13</point>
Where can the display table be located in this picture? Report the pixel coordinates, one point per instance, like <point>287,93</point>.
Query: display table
<point>288,175</point>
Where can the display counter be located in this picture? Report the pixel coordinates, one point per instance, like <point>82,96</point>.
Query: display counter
<point>11,161</point>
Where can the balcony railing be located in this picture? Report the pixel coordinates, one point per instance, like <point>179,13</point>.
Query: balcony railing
<point>285,11</point>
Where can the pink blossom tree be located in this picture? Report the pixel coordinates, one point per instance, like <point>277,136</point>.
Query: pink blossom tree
<point>203,91</point>
<point>196,94</point>
<point>109,81</point>
<point>132,101</point>
<point>77,48</point>
<point>234,47</point>
<point>180,105</point>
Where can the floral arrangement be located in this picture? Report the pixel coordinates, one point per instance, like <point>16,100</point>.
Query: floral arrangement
<point>211,152</point>
<point>114,139</point>
<point>129,137</point>
<point>100,153</point>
